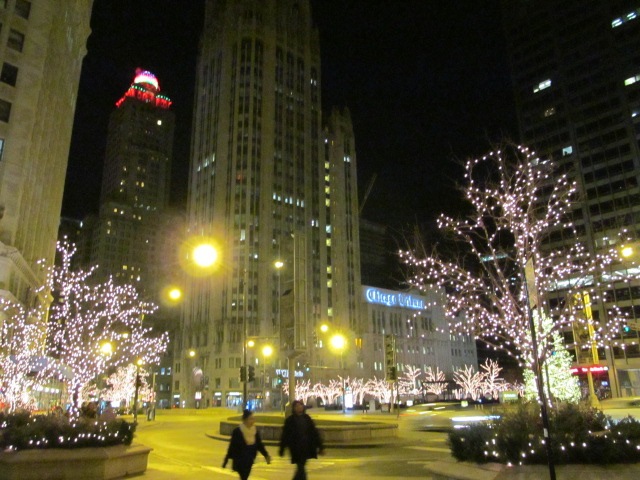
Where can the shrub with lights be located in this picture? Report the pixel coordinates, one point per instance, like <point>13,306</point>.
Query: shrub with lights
<point>581,434</point>
<point>22,431</point>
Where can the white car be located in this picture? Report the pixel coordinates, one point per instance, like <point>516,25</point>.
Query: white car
<point>444,416</point>
<point>620,402</point>
<point>622,407</point>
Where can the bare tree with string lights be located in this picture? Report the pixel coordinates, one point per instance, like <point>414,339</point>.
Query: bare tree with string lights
<point>505,264</point>
<point>86,317</point>
<point>22,365</point>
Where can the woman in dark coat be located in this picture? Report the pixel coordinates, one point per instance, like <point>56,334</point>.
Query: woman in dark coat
<point>244,446</point>
<point>302,438</point>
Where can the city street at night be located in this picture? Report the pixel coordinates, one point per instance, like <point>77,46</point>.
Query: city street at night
<point>182,450</point>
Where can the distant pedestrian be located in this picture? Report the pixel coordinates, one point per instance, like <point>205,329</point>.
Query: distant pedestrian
<point>302,438</point>
<point>244,446</point>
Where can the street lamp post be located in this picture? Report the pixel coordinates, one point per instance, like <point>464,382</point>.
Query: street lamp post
<point>190,384</point>
<point>267,350</point>
<point>339,342</point>
<point>138,383</point>
<point>279,265</point>
<point>529,277</point>
<point>245,393</point>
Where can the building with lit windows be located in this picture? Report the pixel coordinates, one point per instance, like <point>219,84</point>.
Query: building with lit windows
<point>575,73</point>
<point>271,179</point>
<point>125,238</point>
<point>135,236</point>
<point>421,330</point>
<point>42,44</point>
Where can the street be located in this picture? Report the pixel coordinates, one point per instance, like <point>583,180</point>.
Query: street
<point>183,451</point>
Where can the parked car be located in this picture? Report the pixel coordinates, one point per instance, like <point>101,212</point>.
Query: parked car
<point>444,416</point>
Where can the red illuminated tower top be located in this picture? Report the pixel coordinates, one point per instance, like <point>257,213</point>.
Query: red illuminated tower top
<point>145,88</point>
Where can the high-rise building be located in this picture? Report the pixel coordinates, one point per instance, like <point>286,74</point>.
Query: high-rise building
<point>135,237</point>
<point>577,89</point>
<point>42,44</point>
<point>270,183</point>
<point>125,238</point>
<point>379,265</point>
<point>423,338</point>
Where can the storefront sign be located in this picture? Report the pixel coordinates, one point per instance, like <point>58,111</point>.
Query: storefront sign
<point>589,368</point>
<point>393,299</point>
<point>284,373</point>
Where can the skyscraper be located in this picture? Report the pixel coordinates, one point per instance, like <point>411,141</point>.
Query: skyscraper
<point>135,236</point>
<point>575,74</point>
<point>125,239</point>
<point>42,45</point>
<point>269,182</point>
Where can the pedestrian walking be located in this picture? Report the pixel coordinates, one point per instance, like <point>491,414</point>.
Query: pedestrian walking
<point>302,438</point>
<point>244,446</point>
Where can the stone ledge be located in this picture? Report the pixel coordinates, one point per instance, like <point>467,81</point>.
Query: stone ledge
<point>348,435</point>
<point>99,463</point>
<point>451,470</point>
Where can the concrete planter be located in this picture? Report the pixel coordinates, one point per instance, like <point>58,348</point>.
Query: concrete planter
<point>451,470</point>
<point>99,463</point>
<point>331,434</point>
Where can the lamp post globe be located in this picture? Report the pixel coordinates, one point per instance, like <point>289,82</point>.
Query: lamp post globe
<point>205,255</point>
<point>175,294</point>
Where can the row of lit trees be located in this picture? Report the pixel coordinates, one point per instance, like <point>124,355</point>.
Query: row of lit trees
<point>472,384</point>
<point>90,328</point>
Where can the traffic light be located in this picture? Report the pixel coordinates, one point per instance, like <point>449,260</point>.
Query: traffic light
<point>279,380</point>
<point>390,357</point>
<point>626,329</point>
<point>243,374</point>
<point>251,375</point>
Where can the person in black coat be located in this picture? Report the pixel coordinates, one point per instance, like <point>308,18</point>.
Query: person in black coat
<point>302,438</point>
<point>244,446</point>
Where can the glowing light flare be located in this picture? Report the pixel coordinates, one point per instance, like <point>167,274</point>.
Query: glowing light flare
<point>338,341</point>
<point>175,294</point>
<point>205,255</point>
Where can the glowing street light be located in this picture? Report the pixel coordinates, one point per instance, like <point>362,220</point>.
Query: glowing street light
<point>205,255</point>
<point>192,353</point>
<point>267,351</point>
<point>106,348</point>
<point>175,294</point>
<point>324,328</point>
<point>626,252</point>
<point>338,342</point>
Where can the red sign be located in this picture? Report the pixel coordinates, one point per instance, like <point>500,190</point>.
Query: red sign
<point>590,368</point>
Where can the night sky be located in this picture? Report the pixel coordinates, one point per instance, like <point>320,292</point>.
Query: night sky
<point>426,82</point>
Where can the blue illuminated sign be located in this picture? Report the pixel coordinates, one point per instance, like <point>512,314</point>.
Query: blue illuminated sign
<point>393,299</point>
